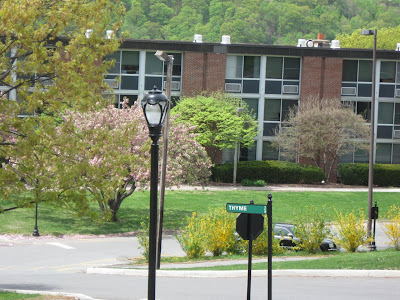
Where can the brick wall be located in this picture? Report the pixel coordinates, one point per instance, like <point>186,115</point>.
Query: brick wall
<point>321,77</point>
<point>203,72</point>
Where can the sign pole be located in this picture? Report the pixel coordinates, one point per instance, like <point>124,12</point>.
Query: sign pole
<point>250,233</point>
<point>270,229</point>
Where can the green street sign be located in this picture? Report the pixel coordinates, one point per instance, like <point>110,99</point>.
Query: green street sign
<point>246,208</point>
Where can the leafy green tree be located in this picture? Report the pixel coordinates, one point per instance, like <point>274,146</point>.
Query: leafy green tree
<point>387,38</point>
<point>217,122</point>
<point>47,64</point>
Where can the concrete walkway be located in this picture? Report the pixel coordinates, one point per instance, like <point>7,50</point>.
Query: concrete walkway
<point>286,188</point>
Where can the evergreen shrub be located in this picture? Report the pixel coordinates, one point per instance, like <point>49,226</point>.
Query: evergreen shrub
<point>270,171</point>
<point>357,174</point>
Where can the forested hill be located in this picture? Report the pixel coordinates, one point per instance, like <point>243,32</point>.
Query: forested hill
<point>255,21</point>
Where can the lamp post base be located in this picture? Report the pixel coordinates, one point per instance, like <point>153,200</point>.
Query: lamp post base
<point>35,231</point>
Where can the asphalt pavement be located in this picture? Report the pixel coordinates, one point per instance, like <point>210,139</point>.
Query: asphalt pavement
<point>105,255</point>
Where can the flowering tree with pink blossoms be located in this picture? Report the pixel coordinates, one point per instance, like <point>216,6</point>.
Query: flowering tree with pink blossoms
<point>101,155</point>
<point>115,155</point>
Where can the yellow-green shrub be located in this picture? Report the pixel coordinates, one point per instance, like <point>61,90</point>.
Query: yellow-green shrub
<point>143,238</point>
<point>192,238</point>
<point>260,245</point>
<point>393,226</point>
<point>310,228</point>
<point>351,230</point>
<point>220,234</point>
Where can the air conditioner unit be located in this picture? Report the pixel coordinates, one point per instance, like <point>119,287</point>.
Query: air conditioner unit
<point>349,91</point>
<point>233,87</point>
<point>113,83</point>
<point>396,134</point>
<point>290,89</point>
<point>398,93</point>
<point>175,85</point>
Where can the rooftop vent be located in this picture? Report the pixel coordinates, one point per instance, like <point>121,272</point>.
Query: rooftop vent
<point>335,44</point>
<point>226,39</point>
<point>198,38</point>
<point>301,43</point>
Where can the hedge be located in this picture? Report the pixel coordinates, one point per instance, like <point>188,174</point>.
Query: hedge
<point>271,171</point>
<point>357,174</point>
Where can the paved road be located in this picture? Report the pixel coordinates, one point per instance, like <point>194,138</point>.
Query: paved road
<point>59,265</point>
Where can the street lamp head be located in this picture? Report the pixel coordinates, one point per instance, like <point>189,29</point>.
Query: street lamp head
<point>368,32</point>
<point>155,105</point>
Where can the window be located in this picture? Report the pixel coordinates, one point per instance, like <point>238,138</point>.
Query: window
<point>242,74</point>
<point>269,152</point>
<point>130,62</point>
<point>156,72</point>
<point>282,75</point>
<point>275,112</point>
<point>252,105</point>
<point>357,78</point>
<point>389,75</point>
<point>388,119</point>
<point>383,154</point>
<point>388,71</point>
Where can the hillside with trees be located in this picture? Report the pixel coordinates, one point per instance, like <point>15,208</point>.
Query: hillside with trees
<point>256,21</point>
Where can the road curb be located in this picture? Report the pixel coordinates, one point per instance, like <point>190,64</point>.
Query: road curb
<point>255,273</point>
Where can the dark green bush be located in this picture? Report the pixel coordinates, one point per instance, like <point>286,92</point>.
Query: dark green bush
<point>270,171</point>
<point>357,174</point>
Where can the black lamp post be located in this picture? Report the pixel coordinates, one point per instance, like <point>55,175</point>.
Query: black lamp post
<point>372,140</point>
<point>36,230</point>
<point>155,105</point>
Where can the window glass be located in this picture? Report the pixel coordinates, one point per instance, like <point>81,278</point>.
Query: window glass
<point>398,72</point>
<point>384,132</point>
<point>247,154</point>
<point>233,66</point>
<point>269,152</point>
<point>153,64</point>
<point>350,70</point>
<point>364,109</point>
<point>274,67</point>
<point>272,110</point>
<point>383,153</point>
<point>252,105</point>
<point>270,128</point>
<point>385,113</point>
<point>388,71</point>
<point>251,67</point>
<point>287,105</point>
<point>130,62</point>
<point>361,156</point>
<point>365,71</point>
<point>117,58</point>
<point>397,114</point>
<point>396,154</point>
<point>291,68</point>
<point>176,66</point>
<point>346,158</point>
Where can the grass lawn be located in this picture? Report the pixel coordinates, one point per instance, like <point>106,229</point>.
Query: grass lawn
<point>181,204</point>
<point>17,296</point>
<point>371,260</point>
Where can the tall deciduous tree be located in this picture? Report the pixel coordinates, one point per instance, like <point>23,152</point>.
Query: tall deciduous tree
<point>322,131</point>
<point>217,122</point>
<point>117,155</point>
<point>47,67</point>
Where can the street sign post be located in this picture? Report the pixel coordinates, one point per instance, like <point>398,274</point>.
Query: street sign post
<point>249,225</point>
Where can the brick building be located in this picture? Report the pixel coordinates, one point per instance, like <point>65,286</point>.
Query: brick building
<point>271,79</point>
